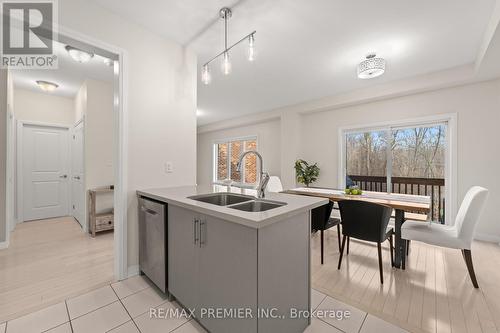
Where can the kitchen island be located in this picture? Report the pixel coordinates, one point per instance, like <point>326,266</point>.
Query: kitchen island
<point>240,264</point>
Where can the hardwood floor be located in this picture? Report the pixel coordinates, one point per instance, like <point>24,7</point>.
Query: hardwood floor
<point>48,261</point>
<point>433,294</point>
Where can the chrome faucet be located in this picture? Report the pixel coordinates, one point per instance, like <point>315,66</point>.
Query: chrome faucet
<point>263,176</point>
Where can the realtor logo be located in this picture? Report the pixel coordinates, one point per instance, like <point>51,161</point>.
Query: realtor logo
<point>28,34</point>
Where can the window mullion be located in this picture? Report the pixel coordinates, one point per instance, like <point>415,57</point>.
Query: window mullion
<point>389,160</point>
<point>215,162</point>
<point>243,167</point>
<point>228,160</point>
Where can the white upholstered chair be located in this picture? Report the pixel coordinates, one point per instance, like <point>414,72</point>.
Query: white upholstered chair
<point>274,184</point>
<point>459,236</point>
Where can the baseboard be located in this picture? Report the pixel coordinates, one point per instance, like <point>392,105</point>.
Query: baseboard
<point>487,238</point>
<point>133,270</point>
<point>4,245</point>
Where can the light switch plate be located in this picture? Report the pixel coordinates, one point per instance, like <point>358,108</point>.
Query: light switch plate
<point>169,167</point>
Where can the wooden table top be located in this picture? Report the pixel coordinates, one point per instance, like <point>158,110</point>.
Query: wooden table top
<point>406,202</point>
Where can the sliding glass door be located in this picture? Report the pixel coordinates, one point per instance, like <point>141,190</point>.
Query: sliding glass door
<point>366,160</point>
<point>400,159</point>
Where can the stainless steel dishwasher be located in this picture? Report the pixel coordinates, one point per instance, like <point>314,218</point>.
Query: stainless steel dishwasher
<point>153,241</point>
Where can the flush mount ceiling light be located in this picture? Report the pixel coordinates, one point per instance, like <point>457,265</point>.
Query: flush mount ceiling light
<point>79,55</point>
<point>47,86</point>
<point>371,67</point>
<point>108,62</point>
<point>225,13</point>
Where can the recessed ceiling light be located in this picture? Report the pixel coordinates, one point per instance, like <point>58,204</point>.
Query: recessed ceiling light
<point>79,55</point>
<point>371,67</point>
<point>47,86</point>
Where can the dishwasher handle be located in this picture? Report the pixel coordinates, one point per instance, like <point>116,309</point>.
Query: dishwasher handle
<point>149,211</point>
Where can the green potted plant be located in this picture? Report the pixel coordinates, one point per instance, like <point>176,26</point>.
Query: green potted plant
<point>306,173</point>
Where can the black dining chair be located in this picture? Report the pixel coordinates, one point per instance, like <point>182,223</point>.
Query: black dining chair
<point>321,221</point>
<point>366,221</point>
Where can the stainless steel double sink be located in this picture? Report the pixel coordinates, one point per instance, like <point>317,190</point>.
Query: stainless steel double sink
<point>241,202</point>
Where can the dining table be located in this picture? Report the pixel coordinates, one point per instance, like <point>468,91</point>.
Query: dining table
<point>401,203</point>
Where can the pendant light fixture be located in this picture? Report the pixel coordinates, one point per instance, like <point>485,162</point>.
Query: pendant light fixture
<point>371,67</point>
<point>225,13</point>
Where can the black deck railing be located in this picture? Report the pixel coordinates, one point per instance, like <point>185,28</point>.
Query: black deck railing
<point>433,187</point>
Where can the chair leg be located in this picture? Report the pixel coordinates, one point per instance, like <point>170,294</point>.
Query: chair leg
<point>379,248</point>
<point>322,245</point>
<point>338,235</point>
<point>391,247</point>
<point>468,261</point>
<point>403,255</point>
<point>408,247</point>
<point>342,250</point>
<point>348,242</point>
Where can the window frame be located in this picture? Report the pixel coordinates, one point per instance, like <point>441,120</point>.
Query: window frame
<point>450,119</point>
<point>215,154</point>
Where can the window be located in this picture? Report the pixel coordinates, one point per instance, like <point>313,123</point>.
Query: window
<point>409,159</point>
<point>226,156</point>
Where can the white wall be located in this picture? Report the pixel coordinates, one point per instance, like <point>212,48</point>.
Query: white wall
<point>161,99</point>
<point>478,115</point>
<point>94,101</point>
<point>11,156</point>
<point>97,106</point>
<point>3,155</point>
<point>43,107</point>
<point>268,145</point>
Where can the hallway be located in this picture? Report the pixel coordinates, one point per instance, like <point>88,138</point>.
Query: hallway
<point>48,261</point>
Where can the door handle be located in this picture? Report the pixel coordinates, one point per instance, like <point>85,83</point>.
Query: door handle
<point>195,231</point>
<point>63,176</point>
<point>76,177</point>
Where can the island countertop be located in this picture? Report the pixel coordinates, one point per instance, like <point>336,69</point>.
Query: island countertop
<point>179,196</point>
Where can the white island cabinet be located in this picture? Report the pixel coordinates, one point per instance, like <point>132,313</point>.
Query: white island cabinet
<point>239,271</point>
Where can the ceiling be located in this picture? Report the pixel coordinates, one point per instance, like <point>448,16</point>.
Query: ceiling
<point>69,75</point>
<point>310,49</point>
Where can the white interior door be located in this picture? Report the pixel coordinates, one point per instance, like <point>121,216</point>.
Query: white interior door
<point>77,173</point>
<point>45,153</point>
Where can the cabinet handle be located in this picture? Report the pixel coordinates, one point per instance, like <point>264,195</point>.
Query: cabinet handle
<point>195,230</point>
<point>202,231</point>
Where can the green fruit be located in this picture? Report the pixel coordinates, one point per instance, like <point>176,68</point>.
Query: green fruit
<point>347,191</point>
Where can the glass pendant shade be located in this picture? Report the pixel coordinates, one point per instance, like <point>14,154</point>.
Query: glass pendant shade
<point>226,64</point>
<point>251,48</point>
<point>205,75</point>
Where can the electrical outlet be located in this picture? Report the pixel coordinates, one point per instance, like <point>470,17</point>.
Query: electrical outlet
<point>169,167</point>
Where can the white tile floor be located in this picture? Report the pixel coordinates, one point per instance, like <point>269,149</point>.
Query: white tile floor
<point>123,307</point>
